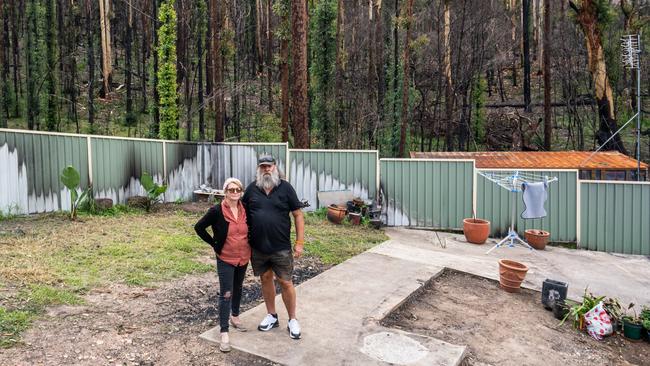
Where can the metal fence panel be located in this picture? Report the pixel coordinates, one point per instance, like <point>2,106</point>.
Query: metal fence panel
<point>615,217</point>
<point>311,171</point>
<point>30,170</point>
<point>238,160</point>
<point>118,164</point>
<point>184,170</point>
<point>493,204</point>
<point>427,193</point>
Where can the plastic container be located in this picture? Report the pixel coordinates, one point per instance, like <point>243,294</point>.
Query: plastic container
<point>553,291</point>
<point>632,330</point>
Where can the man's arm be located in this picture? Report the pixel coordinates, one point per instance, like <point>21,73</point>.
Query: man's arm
<point>299,218</point>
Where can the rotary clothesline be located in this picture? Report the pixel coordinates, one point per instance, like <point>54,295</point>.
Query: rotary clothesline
<point>514,182</point>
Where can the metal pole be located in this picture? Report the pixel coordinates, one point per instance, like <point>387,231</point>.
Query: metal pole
<point>638,113</point>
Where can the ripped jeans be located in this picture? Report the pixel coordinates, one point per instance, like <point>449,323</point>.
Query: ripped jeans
<point>231,279</point>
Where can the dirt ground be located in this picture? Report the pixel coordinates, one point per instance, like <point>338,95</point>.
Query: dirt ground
<point>126,325</point>
<point>506,329</point>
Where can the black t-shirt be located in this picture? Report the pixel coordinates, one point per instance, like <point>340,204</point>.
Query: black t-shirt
<point>269,224</point>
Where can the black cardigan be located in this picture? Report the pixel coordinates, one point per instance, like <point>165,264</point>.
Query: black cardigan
<point>214,217</point>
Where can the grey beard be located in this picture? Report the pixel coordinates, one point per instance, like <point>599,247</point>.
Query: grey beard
<point>267,182</point>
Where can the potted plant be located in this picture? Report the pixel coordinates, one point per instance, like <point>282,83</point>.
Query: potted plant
<point>560,309</point>
<point>577,312</point>
<point>646,326</point>
<point>476,230</point>
<point>632,324</point>
<point>355,218</point>
<point>537,238</point>
<point>615,311</point>
<point>645,320</point>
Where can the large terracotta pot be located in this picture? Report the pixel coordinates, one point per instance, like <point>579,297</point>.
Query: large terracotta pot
<point>476,230</point>
<point>537,238</point>
<point>511,274</point>
<point>335,214</point>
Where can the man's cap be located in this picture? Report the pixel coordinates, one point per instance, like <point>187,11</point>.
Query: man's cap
<point>266,160</point>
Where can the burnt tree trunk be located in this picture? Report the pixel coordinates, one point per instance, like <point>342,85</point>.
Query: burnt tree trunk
<point>525,27</point>
<point>300,124</point>
<point>91,66</point>
<point>587,17</point>
<point>548,124</point>
<point>405,80</point>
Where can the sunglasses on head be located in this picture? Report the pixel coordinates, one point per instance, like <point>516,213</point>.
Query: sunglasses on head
<point>233,190</point>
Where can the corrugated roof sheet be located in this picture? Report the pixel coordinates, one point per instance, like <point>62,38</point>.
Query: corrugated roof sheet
<point>538,159</point>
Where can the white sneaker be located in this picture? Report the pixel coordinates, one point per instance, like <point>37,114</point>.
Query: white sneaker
<point>294,329</point>
<point>269,322</point>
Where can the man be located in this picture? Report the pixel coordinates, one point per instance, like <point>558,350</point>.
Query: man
<point>268,201</point>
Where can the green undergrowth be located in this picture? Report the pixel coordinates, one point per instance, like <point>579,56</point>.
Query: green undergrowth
<point>333,244</point>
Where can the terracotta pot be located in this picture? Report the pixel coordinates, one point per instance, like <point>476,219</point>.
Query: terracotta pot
<point>537,238</point>
<point>476,230</point>
<point>511,274</point>
<point>355,218</point>
<point>335,214</point>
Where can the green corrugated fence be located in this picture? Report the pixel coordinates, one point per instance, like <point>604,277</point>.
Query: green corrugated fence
<point>311,171</point>
<point>118,164</point>
<point>30,167</point>
<point>493,204</point>
<point>615,217</point>
<point>31,163</point>
<point>427,193</point>
<point>603,216</point>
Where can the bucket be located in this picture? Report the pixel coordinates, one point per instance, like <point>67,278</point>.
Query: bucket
<point>553,291</point>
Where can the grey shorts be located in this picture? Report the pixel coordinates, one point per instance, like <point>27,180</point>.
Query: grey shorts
<point>280,262</point>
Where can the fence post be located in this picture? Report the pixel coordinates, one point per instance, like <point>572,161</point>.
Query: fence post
<point>578,213</point>
<point>288,162</point>
<point>164,148</point>
<point>90,161</point>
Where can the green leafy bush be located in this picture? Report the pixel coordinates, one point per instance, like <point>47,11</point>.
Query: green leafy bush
<point>154,191</point>
<point>70,178</point>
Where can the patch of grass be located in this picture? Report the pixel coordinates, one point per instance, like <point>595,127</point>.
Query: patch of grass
<point>334,244</point>
<point>10,212</point>
<point>44,295</point>
<point>115,210</point>
<point>57,259</point>
<point>12,323</point>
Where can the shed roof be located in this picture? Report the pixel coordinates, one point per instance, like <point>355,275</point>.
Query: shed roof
<point>608,160</point>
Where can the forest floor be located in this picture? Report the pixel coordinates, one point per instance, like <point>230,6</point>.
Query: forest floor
<point>506,329</point>
<point>130,288</point>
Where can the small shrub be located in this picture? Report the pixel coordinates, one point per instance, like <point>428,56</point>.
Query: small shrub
<point>154,191</point>
<point>70,178</point>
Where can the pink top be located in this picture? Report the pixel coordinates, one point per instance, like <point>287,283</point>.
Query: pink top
<point>236,250</point>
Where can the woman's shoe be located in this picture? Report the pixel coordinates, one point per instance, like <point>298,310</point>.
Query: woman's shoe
<point>224,346</point>
<point>237,324</point>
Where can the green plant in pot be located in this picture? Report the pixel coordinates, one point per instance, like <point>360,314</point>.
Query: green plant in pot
<point>632,324</point>
<point>577,312</point>
<point>645,320</point>
<point>615,311</point>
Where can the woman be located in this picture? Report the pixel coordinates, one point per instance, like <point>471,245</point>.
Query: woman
<point>230,242</point>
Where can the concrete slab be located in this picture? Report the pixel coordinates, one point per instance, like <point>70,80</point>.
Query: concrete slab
<point>339,310</point>
<point>624,276</point>
<point>336,310</point>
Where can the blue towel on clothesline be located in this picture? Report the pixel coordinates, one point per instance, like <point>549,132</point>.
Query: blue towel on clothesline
<point>534,199</point>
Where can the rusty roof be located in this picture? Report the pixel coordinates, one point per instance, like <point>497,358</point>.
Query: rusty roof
<point>608,160</point>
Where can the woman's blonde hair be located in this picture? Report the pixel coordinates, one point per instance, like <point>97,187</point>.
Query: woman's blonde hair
<point>232,180</point>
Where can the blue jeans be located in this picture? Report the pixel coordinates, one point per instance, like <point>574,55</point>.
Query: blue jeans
<point>231,279</point>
